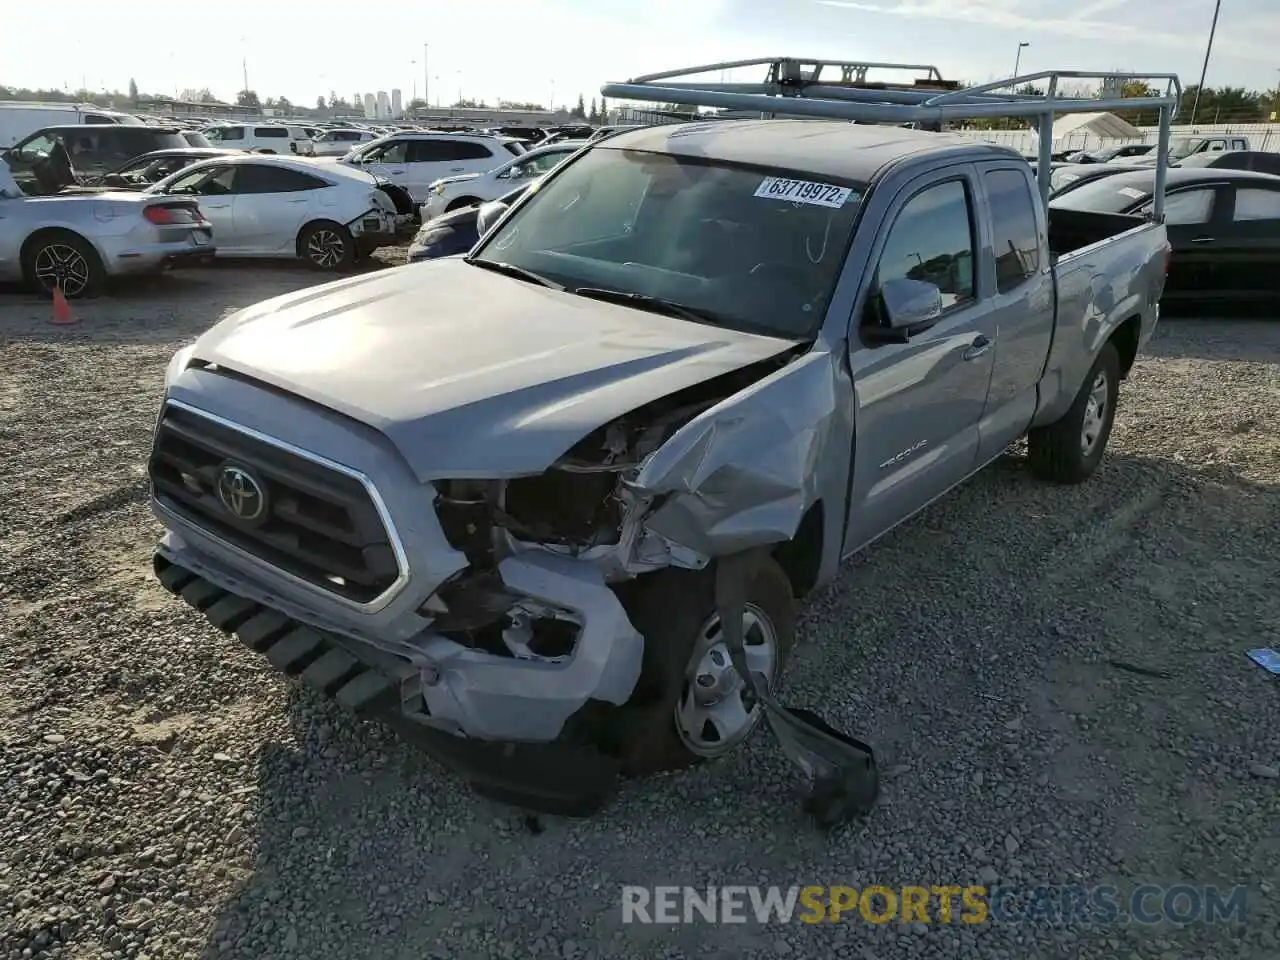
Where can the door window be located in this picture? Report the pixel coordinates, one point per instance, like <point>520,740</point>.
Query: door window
<point>446,151</point>
<point>1014,228</point>
<point>932,240</point>
<point>271,133</point>
<point>1256,204</point>
<point>1186,207</point>
<point>395,152</point>
<point>35,148</point>
<point>267,178</point>
<point>205,182</point>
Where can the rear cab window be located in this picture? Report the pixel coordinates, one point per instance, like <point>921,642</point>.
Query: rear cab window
<point>277,133</point>
<point>1014,227</point>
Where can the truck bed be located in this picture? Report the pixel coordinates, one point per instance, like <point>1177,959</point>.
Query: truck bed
<point>1072,230</point>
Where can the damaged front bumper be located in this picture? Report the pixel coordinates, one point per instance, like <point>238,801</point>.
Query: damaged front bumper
<point>554,777</point>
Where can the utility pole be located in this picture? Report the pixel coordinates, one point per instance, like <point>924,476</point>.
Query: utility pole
<point>244,66</point>
<point>426,76</point>
<point>1017,61</point>
<point>1195,104</point>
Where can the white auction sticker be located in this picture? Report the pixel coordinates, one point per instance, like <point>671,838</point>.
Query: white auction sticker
<point>803,191</point>
<point>1132,192</point>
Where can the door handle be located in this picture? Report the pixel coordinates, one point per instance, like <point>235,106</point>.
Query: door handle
<point>456,169</point>
<point>215,206</point>
<point>303,200</point>
<point>1202,240</point>
<point>397,173</point>
<point>980,345</point>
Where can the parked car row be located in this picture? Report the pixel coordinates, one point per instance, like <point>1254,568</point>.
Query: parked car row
<point>231,203</point>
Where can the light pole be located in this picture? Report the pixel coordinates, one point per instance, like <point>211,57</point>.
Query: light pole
<point>426,76</point>
<point>1213,28</point>
<point>1017,61</point>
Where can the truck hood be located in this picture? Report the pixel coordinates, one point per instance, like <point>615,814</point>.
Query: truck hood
<point>471,373</point>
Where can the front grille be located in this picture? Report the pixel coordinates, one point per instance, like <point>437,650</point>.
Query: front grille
<point>319,524</point>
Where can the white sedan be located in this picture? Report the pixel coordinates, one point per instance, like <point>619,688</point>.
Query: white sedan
<point>263,206</point>
<point>454,193</point>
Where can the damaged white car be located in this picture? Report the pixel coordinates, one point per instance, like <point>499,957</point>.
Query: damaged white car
<point>485,497</point>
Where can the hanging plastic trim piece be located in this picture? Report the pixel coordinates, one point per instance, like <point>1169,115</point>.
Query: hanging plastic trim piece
<point>841,770</point>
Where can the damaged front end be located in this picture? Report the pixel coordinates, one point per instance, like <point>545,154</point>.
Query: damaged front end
<point>546,555</point>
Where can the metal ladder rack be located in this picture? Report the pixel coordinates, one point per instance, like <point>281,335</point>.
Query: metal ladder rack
<point>839,90</point>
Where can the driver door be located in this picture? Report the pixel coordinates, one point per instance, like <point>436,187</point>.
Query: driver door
<point>920,402</point>
<point>215,188</point>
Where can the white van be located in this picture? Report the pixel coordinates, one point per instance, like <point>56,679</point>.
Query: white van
<point>19,119</point>
<point>261,138</point>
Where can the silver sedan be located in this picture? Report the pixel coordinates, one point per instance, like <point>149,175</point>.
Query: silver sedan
<point>76,241</point>
<point>274,206</point>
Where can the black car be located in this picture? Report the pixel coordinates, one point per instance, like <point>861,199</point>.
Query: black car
<point>457,232</point>
<point>95,149</point>
<point>1224,227</point>
<point>1072,176</point>
<point>141,172</point>
<point>1259,161</point>
<point>1127,151</point>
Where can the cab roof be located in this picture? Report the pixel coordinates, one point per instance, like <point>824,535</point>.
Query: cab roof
<point>833,148</point>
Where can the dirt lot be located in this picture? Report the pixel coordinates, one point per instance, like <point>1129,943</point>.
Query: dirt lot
<point>1056,679</point>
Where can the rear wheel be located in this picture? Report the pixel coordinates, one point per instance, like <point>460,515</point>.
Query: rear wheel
<point>65,260</point>
<point>690,703</point>
<point>327,246</point>
<point>1070,450</point>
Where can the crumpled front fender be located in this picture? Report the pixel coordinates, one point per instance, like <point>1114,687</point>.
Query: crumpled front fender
<point>743,473</point>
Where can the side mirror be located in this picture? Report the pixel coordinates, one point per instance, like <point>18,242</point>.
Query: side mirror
<point>906,307</point>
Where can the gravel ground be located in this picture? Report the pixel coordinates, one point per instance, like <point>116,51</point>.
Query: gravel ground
<point>163,794</point>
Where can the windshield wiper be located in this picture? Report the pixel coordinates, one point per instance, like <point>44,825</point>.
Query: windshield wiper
<point>511,270</point>
<point>643,301</point>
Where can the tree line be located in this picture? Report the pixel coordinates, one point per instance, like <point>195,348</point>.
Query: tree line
<point>1216,105</point>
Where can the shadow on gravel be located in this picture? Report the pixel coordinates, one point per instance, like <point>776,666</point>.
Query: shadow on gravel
<point>1094,725</point>
<point>1249,336</point>
<point>163,308</point>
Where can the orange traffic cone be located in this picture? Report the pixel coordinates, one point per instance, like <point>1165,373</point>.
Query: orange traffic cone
<point>61,309</point>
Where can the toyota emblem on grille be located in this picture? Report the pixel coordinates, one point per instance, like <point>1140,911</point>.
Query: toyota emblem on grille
<point>241,494</point>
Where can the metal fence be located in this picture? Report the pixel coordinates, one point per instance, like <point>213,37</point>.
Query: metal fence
<point>1262,136</point>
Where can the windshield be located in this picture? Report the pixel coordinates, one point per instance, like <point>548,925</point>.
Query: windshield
<point>747,248</point>
<point>1184,147</point>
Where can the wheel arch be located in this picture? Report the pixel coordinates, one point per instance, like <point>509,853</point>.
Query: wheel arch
<point>1125,337</point>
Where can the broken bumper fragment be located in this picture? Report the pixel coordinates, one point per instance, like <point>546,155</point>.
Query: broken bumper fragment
<point>554,777</point>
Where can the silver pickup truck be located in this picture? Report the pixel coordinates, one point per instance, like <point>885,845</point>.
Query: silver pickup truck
<point>484,497</point>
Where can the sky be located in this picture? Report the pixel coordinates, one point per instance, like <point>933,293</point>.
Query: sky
<point>554,50</point>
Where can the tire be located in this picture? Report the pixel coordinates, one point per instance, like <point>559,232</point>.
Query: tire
<point>462,202</point>
<point>674,610</point>
<point>327,246</point>
<point>60,254</point>
<point>1063,452</point>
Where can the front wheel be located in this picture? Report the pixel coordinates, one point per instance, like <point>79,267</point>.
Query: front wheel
<point>1070,450</point>
<point>690,703</point>
<point>462,203</point>
<point>327,246</point>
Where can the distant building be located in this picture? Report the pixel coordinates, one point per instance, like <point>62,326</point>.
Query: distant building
<point>357,101</point>
<point>478,117</point>
<point>397,108</point>
<point>169,107</point>
<point>384,105</point>
<point>370,107</point>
